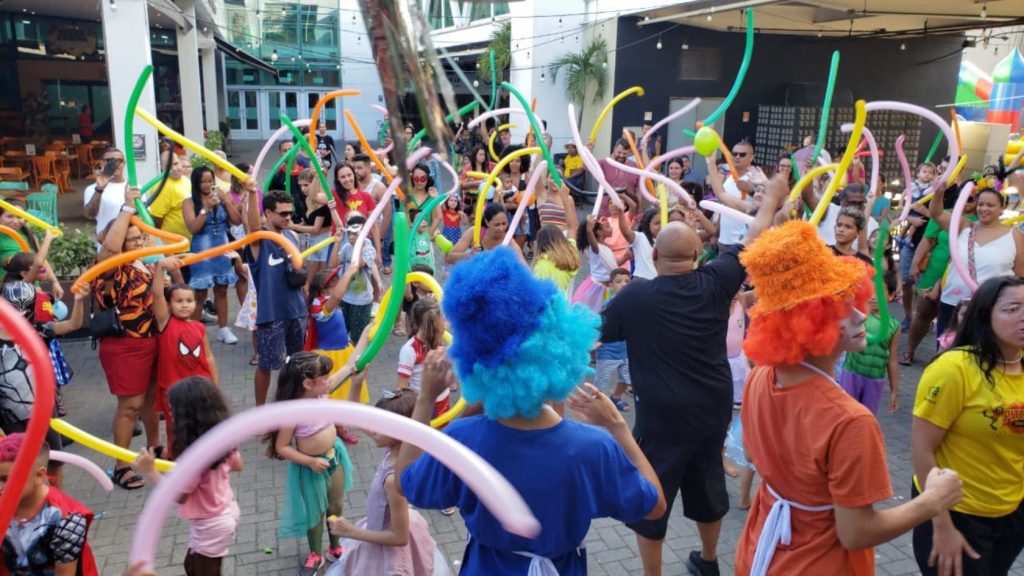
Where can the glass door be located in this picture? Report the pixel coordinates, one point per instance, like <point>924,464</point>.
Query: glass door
<point>329,114</point>
<point>283,102</point>
<point>244,114</point>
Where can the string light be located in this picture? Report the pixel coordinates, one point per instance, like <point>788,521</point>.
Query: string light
<point>273,55</point>
<point>984,10</point>
<point>658,45</point>
<point>903,46</point>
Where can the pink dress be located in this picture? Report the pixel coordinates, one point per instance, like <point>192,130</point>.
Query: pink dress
<point>414,559</point>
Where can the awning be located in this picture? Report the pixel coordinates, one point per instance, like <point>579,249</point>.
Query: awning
<point>244,57</point>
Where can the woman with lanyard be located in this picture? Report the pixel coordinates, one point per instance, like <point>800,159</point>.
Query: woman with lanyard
<point>819,451</point>
<point>492,233</point>
<point>968,416</point>
<point>128,358</point>
<point>988,248</point>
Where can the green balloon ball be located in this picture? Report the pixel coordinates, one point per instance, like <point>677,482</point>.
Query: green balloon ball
<point>706,141</point>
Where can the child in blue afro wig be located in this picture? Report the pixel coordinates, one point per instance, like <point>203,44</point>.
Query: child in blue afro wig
<point>517,342</point>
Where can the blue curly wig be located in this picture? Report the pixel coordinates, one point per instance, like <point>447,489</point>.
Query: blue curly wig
<point>517,340</point>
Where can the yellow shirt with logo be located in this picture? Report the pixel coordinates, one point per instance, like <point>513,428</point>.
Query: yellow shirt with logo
<point>984,426</point>
<point>572,164</point>
<point>168,206</point>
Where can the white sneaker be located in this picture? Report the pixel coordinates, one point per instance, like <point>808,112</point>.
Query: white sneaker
<point>226,336</point>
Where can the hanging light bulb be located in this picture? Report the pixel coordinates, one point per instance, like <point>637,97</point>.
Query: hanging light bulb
<point>541,75</point>
<point>273,55</point>
<point>686,44</point>
<point>559,21</point>
<point>658,46</point>
<point>711,12</point>
<point>903,46</point>
<point>113,5</point>
<point>984,10</point>
<point>476,83</point>
<point>353,17</point>
<point>819,33</point>
<point>604,65</point>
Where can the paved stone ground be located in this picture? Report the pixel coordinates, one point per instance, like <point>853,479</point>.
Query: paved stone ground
<point>611,546</point>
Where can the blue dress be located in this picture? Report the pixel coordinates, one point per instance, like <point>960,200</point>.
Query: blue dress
<point>217,270</point>
<point>568,475</point>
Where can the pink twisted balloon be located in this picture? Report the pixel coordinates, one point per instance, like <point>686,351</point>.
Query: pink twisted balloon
<point>591,163</point>
<point>527,196</point>
<point>668,182</point>
<point>273,140</point>
<point>954,236</point>
<point>727,211</point>
<point>908,178</point>
<point>873,149</point>
<point>643,140</point>
<point>655,163</point>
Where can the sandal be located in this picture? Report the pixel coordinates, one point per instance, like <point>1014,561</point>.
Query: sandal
<point>386,270</point>
<point>255,360</point>
<point>906,360</point>
<point>132,482</point>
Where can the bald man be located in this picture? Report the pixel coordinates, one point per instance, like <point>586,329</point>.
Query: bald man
<point>674,327</point>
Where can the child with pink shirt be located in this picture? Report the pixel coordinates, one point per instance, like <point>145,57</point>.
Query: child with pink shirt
<point>210,507</point>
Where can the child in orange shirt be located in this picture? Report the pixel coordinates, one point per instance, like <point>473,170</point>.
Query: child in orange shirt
<point>810,309</point>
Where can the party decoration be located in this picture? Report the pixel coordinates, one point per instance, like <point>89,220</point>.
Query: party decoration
<point>279,239</point>
<point>16,236</point>
<point>129,123</point>
<point>176,244</point>
<point>425,211</point>
<point>494,81</point>
<point>385,200</point>
<point>706,141</point>
<point>89,466</point>
<point>314,118</point>
<point>665,180</point>
<point>860,116</point>
<point>64,428</point>
<point>399,270</point>
<point>934,148</point>
<point>869,139</point>
<point>592,165</point>
<point>638,90</point>
<point>288,158</point>
<point>490,141</point>
<point>38,356</point>
<point>1007,91</point>
<point>954,236</point>
<point>956,128</point>
<point>748,51</point>
<point>729,162</point>
<point>366,145</point>
<point>285,121</point>
<point>833,72</point>
<point>8,207</point>
<point>318,246</point>
<point>956,172</point>
<point>973,89</point>
<point>451,171</point>
<point>908,179</point>
<point>654,129</point>
<point>809,177</point>
<point>727,211</point>
<point>656,163</point>
<point>462,112</point>
<point>639,159</point>
<point>879,280</point>
<point>493,490</point>
<point>486,185</point>
<point>198,149</point>
<point>524,202</point>
<point>270,144</point>
<point>537,133</point>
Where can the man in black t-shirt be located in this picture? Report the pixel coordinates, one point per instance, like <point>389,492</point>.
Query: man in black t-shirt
<point>324,146</point>
<point>674,327</point>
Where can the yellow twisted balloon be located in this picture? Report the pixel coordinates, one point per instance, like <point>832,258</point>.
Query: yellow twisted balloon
<point>860,117</point>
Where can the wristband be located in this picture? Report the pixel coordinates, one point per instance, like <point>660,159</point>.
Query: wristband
<point>128,210</point>
<point>202,211</point>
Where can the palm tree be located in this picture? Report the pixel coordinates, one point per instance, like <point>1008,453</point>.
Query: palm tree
<point>581,70</point>
<point>501,43</point>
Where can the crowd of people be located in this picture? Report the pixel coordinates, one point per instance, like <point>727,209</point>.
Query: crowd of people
<point>707,327</point>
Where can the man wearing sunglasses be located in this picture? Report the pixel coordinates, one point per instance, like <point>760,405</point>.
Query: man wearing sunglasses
<point>103,200</point>
<point>280,307</point>
<point>730,231</point>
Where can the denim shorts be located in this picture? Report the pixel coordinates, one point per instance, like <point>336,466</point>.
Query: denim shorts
<point>278,339</point>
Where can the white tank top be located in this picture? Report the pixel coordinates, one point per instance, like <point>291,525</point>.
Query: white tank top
<point>991,260</point>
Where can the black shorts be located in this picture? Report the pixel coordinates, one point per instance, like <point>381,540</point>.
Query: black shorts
<point>692,467</point>
<point>999,541</point>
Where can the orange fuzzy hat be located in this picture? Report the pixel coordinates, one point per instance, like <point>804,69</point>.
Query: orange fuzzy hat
<point>789,265</point>
<point>802,290</point>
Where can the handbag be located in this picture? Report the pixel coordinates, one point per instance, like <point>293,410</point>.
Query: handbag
<point>105,323</point>
<point>295,278</point>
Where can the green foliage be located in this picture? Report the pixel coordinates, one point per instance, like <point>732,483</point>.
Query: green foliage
<point>501,43</point>
<point>214,141</point>
<point>583,69</point>
<point>72,253</point>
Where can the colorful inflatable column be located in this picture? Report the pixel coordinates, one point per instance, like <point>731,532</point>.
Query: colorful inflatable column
<point>972,92</point>
<point>1007,91</point>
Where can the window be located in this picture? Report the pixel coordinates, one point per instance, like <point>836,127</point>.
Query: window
<point>439,14</point>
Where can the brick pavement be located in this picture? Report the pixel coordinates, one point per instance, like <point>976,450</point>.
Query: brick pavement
<point>611,546</point>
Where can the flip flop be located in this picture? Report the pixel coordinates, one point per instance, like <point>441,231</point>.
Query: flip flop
<point>906,360</point>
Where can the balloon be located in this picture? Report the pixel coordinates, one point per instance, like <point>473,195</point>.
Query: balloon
<point>381,109</point>
<point>592,165</point>
<point>495,113</point>
<point>858,126</point>
<point>419,135</point>
<point>954,236</point>
<point>956,128</point>
<point>425,211</point>
<point>278,239</point>
<point>200,150</point>
<point>314,118</point>
<point>956,171</point>
<point>726,211</point>
<point>729,162</point>
<point>177,244</point>
<point>449,414</point>
<point>833,71</point>
<point>270,143</point>
<point>537,133</point>
<point>655,163</point>
<point>357,247</point>
<point>285,121</point>
<point>809,177</point>
<point>37,355</point>
<point>665,180</point>
<point>880,293</point>
<point>366,146</point>
<point>493,490</point>
<point>8,207</point>
<point>443,243</point>
<point>85,464</point>
<point>288,157</point>
<point>16,236</point>
<point>494,81</point>
<point>869,139</point>
<point>706,141</point>
<point>490,142</point>
<point>319,245</point>
<point>639,160</point>
<point>523,202</point>
<point>935,146</point>
<point>451,171</point>
<point>748,51</point>
<point>400,270</point>
<point>129,123</point>
<point>654,129</point>
<point>64,428</point>
<point>908,180</point>
<point>491,179</point>
<point>638,90</point>
<point>954,150</point>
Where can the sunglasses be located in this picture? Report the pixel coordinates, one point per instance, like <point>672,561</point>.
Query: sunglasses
<point>419,178</point>
<point>284,214</point>
<point>739,154</point>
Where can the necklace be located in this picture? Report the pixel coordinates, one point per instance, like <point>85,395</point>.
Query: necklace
<point>1015,361</point>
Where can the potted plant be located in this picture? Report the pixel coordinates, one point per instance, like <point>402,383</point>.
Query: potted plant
<point>214,141</point>
<point>70,255</point>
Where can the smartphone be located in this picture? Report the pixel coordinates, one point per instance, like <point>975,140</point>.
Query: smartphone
<point>110,166</point>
